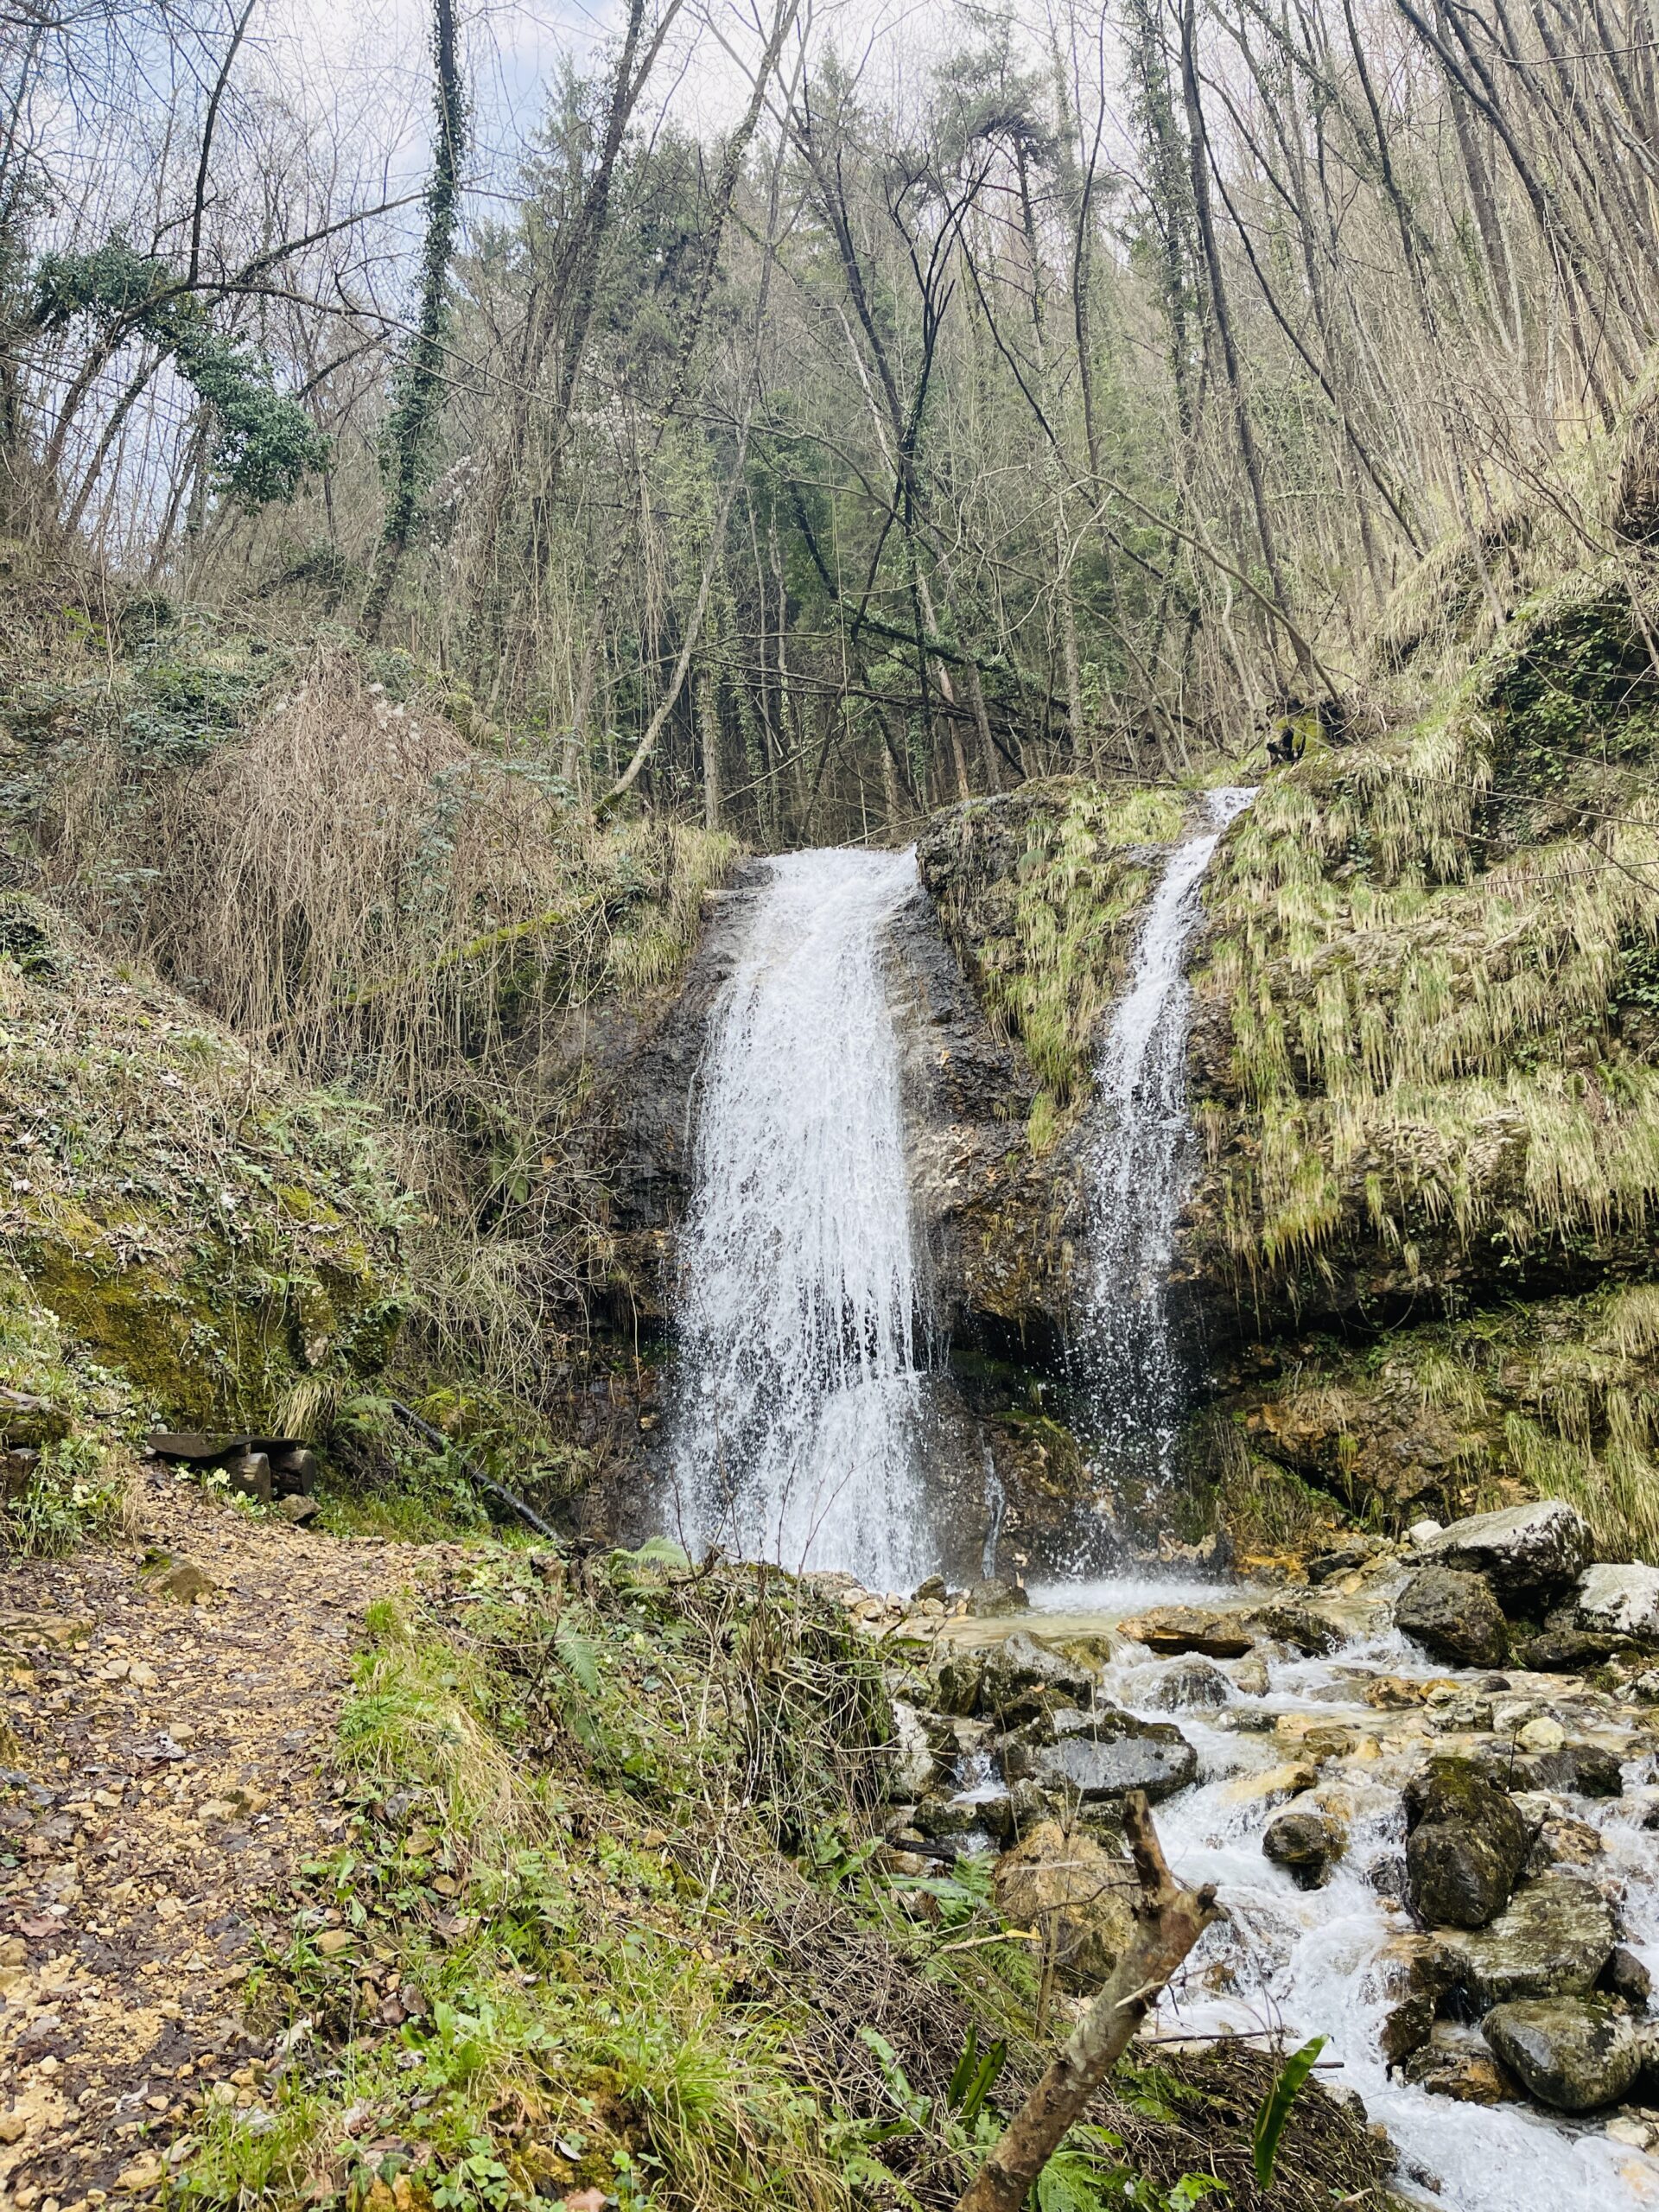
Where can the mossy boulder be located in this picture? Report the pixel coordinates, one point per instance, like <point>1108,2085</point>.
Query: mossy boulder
<point>1572,2054</point>
<point>1465,1845</point>
<point>193,1221</point>
<point>1552,1940</point>
<point>1454,1616</point>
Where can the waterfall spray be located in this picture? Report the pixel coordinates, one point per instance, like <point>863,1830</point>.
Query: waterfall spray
<point>799,1387</point>
<point>1140,1176</point>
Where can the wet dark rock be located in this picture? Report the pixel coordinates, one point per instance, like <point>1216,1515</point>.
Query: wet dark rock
<point>1465,1845</point>
<point>1300,1627</point>
<point>992,1600</point>
<point>1454,1616</point>
<point>1568,1651</point>
<point>1192,1683</point>
<point>1304,1842</point>
<point>1522,1551</point>
<point>1409,2026</point>
<point>1620,1601</point>
<point>1023,1677</point>
<point>1578,1769</point>
<point>1571,2053</point>
<point>1449,2064</point>
<point>1552,1940</point>
<point>1171,1631</point>
<point>1624,1976</point>
<point>1119,1754</point>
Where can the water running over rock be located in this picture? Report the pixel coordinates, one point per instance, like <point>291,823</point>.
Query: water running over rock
<point>1140,1176</point>
<point>800,1384</point>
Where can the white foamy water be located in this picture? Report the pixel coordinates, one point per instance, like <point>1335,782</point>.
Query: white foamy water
<point>1317,1962</point>
<point>800,1390</point>
<point>1140,1174</point>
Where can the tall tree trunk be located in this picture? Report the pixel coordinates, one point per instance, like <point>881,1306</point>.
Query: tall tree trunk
<point>414,420</point>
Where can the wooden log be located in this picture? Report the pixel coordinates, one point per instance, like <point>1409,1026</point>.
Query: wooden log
<point>1168,1922</point>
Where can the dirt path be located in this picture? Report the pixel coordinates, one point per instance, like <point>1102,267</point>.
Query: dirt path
<point>166,1774</point>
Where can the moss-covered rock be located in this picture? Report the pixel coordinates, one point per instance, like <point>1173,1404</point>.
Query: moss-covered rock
<point>1572,2053</point>
<point>1465,1847</point>
<point>190,1221</point>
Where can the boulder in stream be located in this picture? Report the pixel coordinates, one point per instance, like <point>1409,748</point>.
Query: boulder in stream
<point>1022,1677</point>
<point>1568,1651</point>
<point>1465,1845</point>
<point>1620,1601</point>
<point>1625,1976</point>
<point>1522,1550</point>
<point>1306,1842</point>
<point>1576,1769</point>
<point>1450,2064</point>
<point>1192,1682</point>
<point>1070,1883</point>
<point>1118,1753</point>
<point>1572,2053</point>
<point>1552,1940</point>
<point>1171,1630</point>
<point>1454,1616</point>
<point>1300,1626</point>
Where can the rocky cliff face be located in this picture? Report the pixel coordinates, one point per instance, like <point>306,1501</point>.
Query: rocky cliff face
<point>1425,1070</point>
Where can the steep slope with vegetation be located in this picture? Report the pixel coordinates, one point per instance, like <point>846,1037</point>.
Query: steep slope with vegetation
<point>368,1150</point>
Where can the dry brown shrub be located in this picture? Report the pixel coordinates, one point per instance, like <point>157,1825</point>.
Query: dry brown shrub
<point>351,880</point>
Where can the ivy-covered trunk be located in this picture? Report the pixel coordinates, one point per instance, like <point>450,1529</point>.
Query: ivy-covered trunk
<point>408,434</point>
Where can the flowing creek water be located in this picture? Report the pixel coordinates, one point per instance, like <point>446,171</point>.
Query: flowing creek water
<point>1323,1961</point>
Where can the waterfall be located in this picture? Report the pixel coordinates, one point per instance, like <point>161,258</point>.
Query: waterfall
<point>1139,1173</point>
<point>798,1391</point>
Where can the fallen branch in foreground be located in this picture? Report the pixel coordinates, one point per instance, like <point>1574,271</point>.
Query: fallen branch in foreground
<point>1168,1922</point>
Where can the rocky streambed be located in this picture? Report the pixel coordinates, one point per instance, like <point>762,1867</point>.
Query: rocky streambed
<point>1427,1784</point>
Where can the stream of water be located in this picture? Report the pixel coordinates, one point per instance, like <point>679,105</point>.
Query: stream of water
<point>1319,1961</point>
<point>800,1385</point>
<point>1137,1386</point>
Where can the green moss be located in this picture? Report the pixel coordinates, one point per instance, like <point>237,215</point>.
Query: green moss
<point>63,1448</point>
<point>1559,1398</point>
<point>189,1222</point>
<point>1038,893</point>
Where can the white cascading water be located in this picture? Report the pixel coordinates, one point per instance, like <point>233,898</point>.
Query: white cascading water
<point>800,1386</point>
<point>1300,1963</point>
<point>1135,1383</point>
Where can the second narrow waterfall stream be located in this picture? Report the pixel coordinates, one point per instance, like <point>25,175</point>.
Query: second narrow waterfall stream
<point>1136,1384</point>
<point>800,1390</point>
